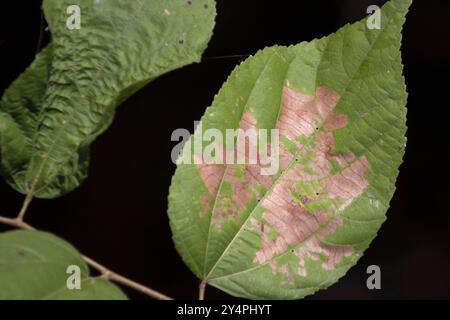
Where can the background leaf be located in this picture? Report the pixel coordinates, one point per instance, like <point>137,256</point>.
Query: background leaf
<point>33,266</point>
<point>339,103</point>
<point>53,112</point>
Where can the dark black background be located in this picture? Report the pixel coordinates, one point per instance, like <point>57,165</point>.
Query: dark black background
<point>118,216</point>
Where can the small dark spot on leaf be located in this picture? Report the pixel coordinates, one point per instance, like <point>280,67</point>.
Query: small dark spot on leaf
<point>206,6</point>
<point>189,2</point>
<point>181,41</point>
<point>20,253</point>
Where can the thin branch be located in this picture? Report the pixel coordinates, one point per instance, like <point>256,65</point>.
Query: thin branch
<point>106,273</point>
<point>110,275</point>
<point>26,204</point>
<point>201,290</point>
<point>16,223</point>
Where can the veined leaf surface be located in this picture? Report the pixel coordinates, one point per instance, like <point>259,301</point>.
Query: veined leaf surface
<point>53,112</point>
<point>339,105</point>
<point>33,266</point>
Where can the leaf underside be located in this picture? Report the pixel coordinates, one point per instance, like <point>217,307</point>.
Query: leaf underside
<point>67,97</point>
<point>33,266</point>
<point>339,105</point>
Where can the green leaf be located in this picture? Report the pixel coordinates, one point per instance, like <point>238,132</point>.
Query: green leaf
<point>339,105</point>
<point>56,109</point>
<point>34,265</point>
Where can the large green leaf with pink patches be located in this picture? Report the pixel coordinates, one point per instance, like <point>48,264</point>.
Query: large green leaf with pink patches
<point>54,111</point>
<point>339,105</point>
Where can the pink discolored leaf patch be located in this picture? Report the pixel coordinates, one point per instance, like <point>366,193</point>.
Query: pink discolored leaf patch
<point>288,207</point>
<point>302,202</point>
